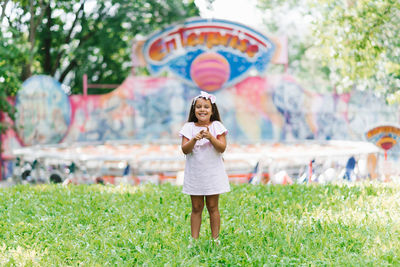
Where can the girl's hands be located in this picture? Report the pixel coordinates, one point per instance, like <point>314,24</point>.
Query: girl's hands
<point>218,142</point>
<point>206,134</point>
<point>199,135</point>
<point>203,134</point>
<point>188,145</point>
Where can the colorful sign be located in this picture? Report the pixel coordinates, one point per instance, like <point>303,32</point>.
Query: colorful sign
<point>43,111</point>
<point>208,53</point>
<point>385,137</point>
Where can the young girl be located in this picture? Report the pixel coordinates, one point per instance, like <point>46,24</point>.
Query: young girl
<point>203,142</point>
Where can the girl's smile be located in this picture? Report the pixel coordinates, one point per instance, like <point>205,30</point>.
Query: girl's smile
<point>203,110</point>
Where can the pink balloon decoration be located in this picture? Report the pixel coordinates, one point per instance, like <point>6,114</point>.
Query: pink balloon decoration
<point>210,71</point>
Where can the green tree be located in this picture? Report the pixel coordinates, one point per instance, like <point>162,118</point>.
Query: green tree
<point>66,39</point>
<point>293,18</point>
<point>12,55</point>
<point>353,43</point>
<point>358,41</point>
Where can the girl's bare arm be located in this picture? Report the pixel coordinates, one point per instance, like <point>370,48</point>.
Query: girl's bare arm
<point>188,145</point>
<point>218,142</point>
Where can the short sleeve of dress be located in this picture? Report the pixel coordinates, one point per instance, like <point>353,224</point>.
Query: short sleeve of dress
<point>186,131</point>
<point>219,128</point>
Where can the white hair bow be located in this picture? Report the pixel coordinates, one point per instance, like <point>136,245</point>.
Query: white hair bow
<point>206,96</point>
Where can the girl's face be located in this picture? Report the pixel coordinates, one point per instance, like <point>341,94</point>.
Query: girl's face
<point>203,110</point>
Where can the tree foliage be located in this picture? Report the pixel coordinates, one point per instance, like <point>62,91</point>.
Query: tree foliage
<point>358,40</point>
<point>292,18</point>
<point>355,42</point>
<point>12,55</point>
<point>67,39</point>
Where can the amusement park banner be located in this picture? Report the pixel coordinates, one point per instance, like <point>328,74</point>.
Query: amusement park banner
<point>208,53</point>
<point>386,137</point>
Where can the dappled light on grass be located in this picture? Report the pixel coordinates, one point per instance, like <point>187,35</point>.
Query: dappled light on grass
<point>368,215</point>
<point>375,204</point>
<point>121,189</point>
<point>20,256</point>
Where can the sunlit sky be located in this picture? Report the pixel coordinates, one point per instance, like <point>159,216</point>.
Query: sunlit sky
<point>243,11</point>
<point>291,20</point>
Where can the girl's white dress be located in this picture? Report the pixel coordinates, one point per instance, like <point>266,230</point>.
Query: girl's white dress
<point>204,170</point>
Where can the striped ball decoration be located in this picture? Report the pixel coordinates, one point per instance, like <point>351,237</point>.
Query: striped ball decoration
<point>210,71</point>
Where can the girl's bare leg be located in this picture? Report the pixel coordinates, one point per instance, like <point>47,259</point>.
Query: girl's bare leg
<point>215,218</point>
<point>195,217</point>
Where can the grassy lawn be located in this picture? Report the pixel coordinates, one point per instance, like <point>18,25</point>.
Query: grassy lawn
<point>150,225</point>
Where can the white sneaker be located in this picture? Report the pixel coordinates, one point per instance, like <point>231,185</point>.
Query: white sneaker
<point>192,242</point>
<point>217,242</point>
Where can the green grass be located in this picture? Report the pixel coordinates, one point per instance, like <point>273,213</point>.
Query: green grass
<point>150,225</point>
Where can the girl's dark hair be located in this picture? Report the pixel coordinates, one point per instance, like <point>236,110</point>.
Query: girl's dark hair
<point>214,109</point>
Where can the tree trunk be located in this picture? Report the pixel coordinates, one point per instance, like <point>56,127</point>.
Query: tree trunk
<point>64,74</point>
<point>26,71</point>
<point>47,66</point>
<point>27,68</point>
